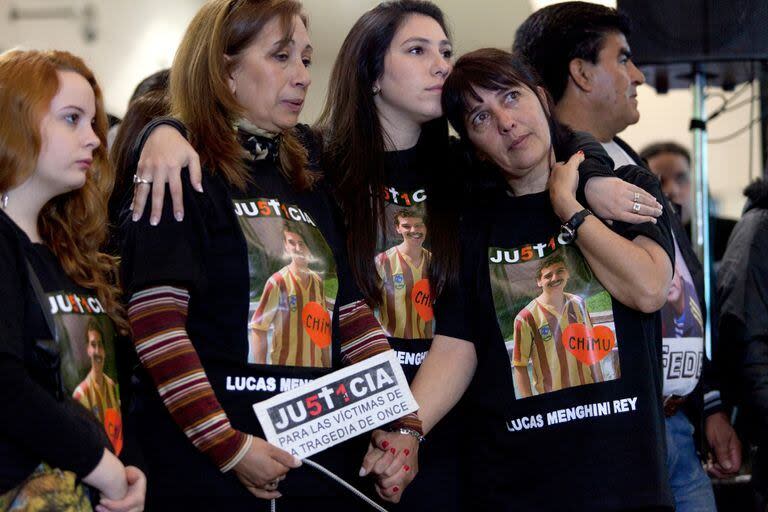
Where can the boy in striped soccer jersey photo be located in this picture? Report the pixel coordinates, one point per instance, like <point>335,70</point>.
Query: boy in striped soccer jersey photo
<point>282,307</point>
<point>98,392</point>
<point>403,269</point>
<point>538,331</point>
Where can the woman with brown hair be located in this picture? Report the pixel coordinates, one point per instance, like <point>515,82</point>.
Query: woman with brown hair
<point>55,179</point>
<point>250,292</point>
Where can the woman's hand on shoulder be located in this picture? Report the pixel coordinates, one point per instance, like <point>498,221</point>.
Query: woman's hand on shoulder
<point>263,467</point>
<point>165,153</point>
<point>392,459</point>
<point>614,199</point>
<point>134,498</point>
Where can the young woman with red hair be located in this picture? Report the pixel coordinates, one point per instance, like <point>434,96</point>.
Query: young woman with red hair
<point>54,282</point>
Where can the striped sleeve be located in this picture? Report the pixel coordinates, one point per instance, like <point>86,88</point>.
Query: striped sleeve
<point>362,337</point>
<point>158,320</point>
<point>361,334</point>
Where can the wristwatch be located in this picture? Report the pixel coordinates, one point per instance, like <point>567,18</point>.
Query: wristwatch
<point>568,230</point>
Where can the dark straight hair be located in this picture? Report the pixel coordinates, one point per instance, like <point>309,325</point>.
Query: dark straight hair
<point>354,146</point>
<point>553,36</point>
<point>495,70</point>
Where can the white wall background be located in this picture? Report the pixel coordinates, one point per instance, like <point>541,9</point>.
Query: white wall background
<point>137,37</point>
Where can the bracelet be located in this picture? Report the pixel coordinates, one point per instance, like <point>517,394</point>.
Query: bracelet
<point>410,432</point>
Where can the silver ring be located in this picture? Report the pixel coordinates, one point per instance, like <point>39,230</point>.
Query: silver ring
<point>637,197</point>
<point>635,207</point>
<point>138,180</point>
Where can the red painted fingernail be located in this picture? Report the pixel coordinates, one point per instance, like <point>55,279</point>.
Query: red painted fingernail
<point>393,451</point>
<point>407,467</point>
<point>407,452</point>
<point>384,445</point>
<point>395,489</point>
<point>581,152</point>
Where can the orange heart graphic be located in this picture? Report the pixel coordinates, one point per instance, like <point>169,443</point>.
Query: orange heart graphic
<point>113,424</point>
<point>317,323</point>
<point>589,345</point>
<point>421,295</point>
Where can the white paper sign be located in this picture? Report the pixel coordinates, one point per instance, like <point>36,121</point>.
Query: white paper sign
<point>337,407</point>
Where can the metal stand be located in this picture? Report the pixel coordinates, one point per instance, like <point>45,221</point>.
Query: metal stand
<point>700,217</point>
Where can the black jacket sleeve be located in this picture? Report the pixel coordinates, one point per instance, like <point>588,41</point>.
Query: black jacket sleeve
<point>170,253</point>
<point>43,426</point>
<point>596,164</point>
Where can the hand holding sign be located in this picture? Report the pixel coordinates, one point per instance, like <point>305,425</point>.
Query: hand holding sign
<point>338,406</point>
<point>264,463</point>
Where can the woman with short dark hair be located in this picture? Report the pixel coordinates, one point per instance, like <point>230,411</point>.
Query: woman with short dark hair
<point>555,317</point>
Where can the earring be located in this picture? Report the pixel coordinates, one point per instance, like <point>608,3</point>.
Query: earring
<point>376,89</point>
<point>4,200</point>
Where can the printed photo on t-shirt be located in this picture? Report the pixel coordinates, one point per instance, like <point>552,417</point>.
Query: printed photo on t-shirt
<point>402,262</point>
<point>682,331</point>
<point>555,316</point>
<point>88,368</point>
<point>293,285</point>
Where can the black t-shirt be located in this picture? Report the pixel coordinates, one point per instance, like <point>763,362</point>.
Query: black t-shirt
<point>403,258</point>
<point>566,399</point>
<point>47,380</point>
<point>266,270</point>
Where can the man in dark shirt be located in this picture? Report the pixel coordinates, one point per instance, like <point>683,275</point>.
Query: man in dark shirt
<point>582,54</point>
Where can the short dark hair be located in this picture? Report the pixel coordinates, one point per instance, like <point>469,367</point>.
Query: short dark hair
<point>407,212</point>
<point>94,326</point>
<point>553,259</point>
<point>486,68</point>
<point>658,148</point>
<point>553,36</point>
<point>495,70</point>
<point>157,81</point>
<point>295,229</point>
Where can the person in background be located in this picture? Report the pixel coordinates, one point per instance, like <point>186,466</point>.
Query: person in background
<point>157,81</point>
<point>671,162</point>
<point>742,291</point>
<point>149,101</point>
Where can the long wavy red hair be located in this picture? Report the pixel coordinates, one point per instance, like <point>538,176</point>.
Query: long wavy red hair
<point>72,225</point>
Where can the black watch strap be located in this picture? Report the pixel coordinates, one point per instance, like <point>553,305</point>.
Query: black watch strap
<point>568,231</point>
